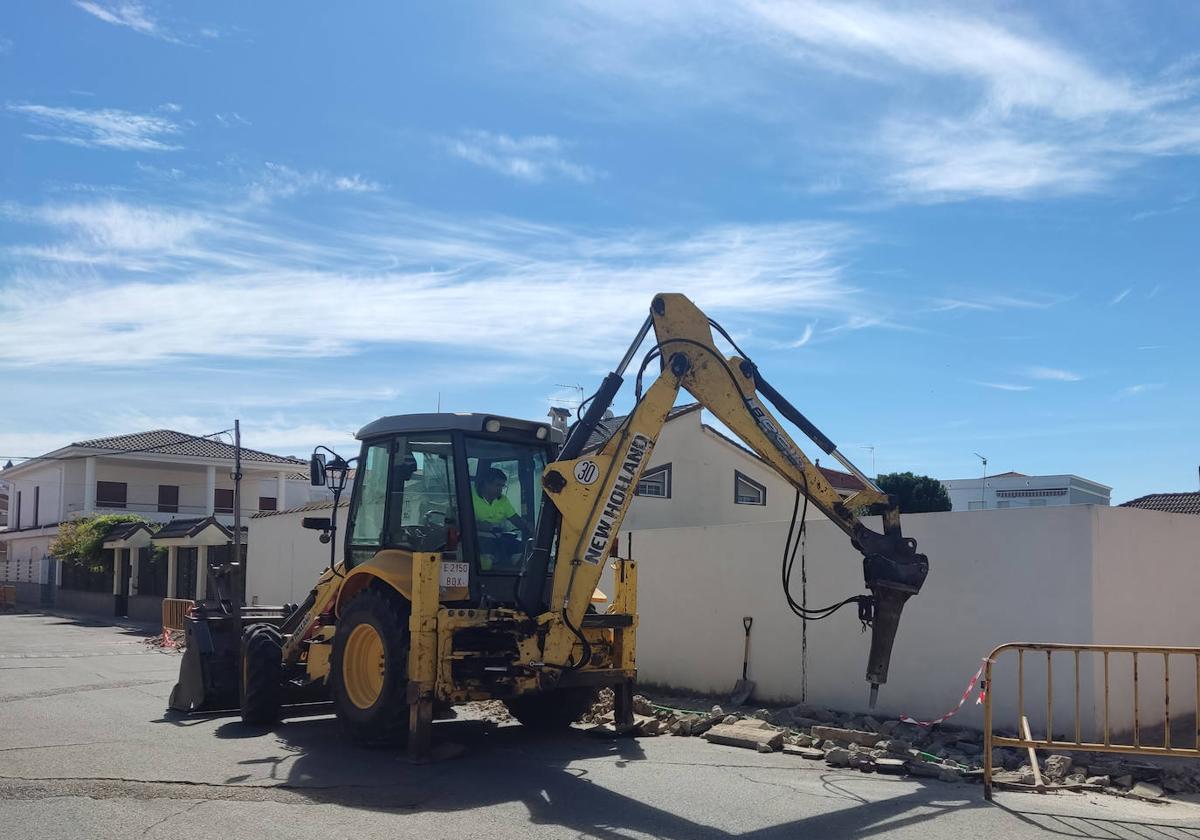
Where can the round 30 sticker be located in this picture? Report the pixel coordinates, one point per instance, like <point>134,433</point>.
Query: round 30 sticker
<point>586,472</point>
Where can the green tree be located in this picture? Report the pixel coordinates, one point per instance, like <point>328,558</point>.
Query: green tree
<point>80,541</point>
<point>916,493</point>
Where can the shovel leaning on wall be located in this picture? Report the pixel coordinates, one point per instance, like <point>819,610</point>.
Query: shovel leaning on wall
<point>744,687</point>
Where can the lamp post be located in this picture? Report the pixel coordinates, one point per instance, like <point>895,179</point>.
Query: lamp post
<point>983,483</point>
<point>333,474</point>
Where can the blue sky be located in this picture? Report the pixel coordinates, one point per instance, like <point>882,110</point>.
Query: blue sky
<point>939,229</point>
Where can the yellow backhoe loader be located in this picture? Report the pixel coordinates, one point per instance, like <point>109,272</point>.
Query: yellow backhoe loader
<point>474,544</point>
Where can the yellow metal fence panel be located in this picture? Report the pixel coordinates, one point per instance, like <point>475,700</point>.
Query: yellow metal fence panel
<point>1106,740</point>
<point>174,610</point>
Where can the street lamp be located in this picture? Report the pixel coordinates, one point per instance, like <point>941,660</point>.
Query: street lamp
<point>336,473</point>
<point>331,473</point>
<point>983,483</point>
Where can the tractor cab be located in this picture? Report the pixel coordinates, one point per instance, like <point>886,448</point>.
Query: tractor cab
<point>465,485</point>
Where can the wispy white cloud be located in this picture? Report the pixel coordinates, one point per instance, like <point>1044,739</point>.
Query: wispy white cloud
<point>107,128</point>
<point>280,181</point>
<point>126,13</point>
<point>530,158</point>
<point>1005,386</point>
<point>1052,374</point>
<point>996,303</point>
<point>805,337</point>
<point>217,273</point>
<point>1141,388</point>
<point>959,102</point>
<point>231,119</point>
<point>1120,296</point>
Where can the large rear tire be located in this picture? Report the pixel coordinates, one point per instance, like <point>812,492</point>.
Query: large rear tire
<point>368,672</point>
<point>552,711</point>
<point>262,674</point>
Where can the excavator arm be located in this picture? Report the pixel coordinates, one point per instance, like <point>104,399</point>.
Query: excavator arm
<point>591,491</point>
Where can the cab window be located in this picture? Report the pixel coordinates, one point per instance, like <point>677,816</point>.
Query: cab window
<point>422,508</point>
<point>370,492</point>
<point>505,498</point>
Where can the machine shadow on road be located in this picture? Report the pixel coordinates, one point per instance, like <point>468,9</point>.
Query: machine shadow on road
<point>550,776</point>
<point>1101,828</point>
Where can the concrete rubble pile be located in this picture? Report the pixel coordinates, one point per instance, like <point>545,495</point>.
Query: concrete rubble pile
<point>861,742</point>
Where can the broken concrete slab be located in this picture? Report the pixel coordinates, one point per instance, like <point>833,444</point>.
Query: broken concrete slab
<point>892,766</point>
<point>924,769</point>
<point>1057,767</point>
<point>803,752</point>
<point>1146,790</point>
<point>746,734</point>
<point>846,736</point>
<point>838,757</point>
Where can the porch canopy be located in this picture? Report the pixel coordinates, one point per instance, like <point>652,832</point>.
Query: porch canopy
<point>187,534</point>
<point>129,537</point>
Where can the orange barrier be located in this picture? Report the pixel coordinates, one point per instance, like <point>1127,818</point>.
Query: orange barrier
<point>174,611</point>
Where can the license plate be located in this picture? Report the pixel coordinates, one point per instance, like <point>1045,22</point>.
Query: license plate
<point>455,574</point>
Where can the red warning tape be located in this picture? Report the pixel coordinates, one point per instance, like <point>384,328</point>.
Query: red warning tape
<point>970,686</point>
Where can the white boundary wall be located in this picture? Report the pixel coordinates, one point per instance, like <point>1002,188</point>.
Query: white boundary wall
<point>1070,574</point>
<point>284,561</point>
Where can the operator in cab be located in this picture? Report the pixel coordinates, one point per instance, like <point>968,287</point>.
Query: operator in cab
<point>494,515</point>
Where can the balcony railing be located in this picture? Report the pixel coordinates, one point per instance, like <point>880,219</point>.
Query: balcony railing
<point>155,512</point>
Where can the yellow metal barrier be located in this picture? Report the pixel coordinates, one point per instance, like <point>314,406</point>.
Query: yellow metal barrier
<point>1106,744</point>
<point>174,610</point>
<point>8,596</point>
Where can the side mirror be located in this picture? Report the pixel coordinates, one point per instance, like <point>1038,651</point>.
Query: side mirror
<point>316,523</point>
<point>316,471</point>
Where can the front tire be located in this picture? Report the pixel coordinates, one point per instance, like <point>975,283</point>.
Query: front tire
<point>368,672</point>
<point>262,674</point>
<point>553,711</point>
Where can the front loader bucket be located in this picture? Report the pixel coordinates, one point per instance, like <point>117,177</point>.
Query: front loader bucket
<point>208,674</point>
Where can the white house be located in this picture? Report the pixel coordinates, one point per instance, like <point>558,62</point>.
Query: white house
<point>699,476</point>
<point>159,475</point>
<point>1014,489</point>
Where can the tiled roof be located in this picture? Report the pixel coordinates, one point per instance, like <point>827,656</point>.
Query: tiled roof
<point>168,442</point>
<point>304,508</point>
<point>607,428</point>
<point>125,530</point>
<point>1167,502</point>
<point>177,528</point>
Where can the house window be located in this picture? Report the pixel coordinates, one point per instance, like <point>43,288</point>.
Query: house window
<point>747,491</point>
<point>37,497</point>
<point>17,520</point>
<point>168,498</point>
<point>655,482</point>
<point>976,505</point>
<point>111,494</point>
<point>223,501</point>
<point>267,503</point>
<point>1002,504</point>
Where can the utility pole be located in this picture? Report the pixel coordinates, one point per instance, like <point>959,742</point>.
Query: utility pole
<point>983,484</point>
<point>871,447</point>
<point>237,503</point>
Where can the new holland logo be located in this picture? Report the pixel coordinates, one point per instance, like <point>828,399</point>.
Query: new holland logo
<point>631,465</point>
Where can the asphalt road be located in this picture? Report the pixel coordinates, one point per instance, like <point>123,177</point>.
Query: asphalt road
<point>86,751</point>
